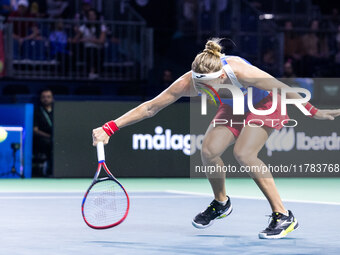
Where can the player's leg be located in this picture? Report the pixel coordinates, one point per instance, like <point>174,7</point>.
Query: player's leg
<point>247,147</point>
<point>248,144</point>
<point>216,141</point>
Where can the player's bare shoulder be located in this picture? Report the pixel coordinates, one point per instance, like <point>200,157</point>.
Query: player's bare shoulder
<point>184,85</point>
<point>239,65</point>
<point>235,63</point>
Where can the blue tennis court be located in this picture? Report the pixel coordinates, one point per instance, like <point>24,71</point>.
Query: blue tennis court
<point>48,221</point>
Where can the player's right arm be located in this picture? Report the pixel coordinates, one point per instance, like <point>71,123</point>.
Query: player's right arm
<point>181,87</point>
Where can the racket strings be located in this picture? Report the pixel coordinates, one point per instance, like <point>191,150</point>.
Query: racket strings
<point>106,204</point>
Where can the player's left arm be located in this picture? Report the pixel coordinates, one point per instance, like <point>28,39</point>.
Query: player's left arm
<point>251,75</point>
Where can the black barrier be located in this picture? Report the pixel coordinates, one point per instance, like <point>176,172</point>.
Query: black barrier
<point>160,146</point>
<point>74,155</point>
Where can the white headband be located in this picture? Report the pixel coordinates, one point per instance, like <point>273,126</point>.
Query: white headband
<point>206,76</point>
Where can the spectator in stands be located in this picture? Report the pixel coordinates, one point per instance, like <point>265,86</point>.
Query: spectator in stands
<point>5,7</point>
<point>57,8</point>
<point>167,78</point>
<point>337,55</point>
<point>292,42</point>
<point>85,7</point>
<point>115,54</point>
<point>81,16</point>
<point>334,19</point>
<point>315,48</point>
<point>269,62</point>
<point>338,39</point>
<point>58,46</point>
<point>256,4</point>
<point>288,71</point>
<point>310,40</point>
<point>43,127</point>
<point>58,39</point>
<point>292,46</point>
<point>34,10</point>
<point>93,35</point>
<point>39,8</point>
<point>190,13</point>
<point>24,30</point>
<point>332,24</point>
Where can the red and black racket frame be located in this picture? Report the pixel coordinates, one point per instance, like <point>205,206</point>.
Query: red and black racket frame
<point>96,180</point>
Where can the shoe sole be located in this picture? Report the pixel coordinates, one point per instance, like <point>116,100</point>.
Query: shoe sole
<point>200,226</point>
<point>293,226</point>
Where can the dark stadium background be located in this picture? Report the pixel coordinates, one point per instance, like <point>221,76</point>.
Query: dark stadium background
<point>147,45</point>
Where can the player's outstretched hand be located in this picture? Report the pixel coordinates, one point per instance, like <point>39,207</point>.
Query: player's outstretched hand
<point>99,135</point>
<point>327,114</point>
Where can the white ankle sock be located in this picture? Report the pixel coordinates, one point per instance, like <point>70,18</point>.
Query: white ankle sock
<point>286,214</point>
<point>223,202</point>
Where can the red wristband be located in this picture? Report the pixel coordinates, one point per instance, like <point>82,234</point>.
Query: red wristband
<point>312,109</point>
<point>110,128</point>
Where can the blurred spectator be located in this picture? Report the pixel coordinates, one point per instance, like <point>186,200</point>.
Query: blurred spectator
<point>164,80</point>
<point>338,39</point>
<point>93,35</point>
<point>323,45</point>
<point>57,8</point>
<point>337,56</point>
<point>310,40</point>
<point>58,39</point>
<point>167,78</point>
<point>334,19</point>
<point>292,46</point>
<point>337,64</point>
<point>43,127</point>
<point>315,47</point>
<point>24,30</point>
<point>34,10</point>
<point>256,4</point>
<point>189,13</point>
<point>269,62</point>
<point>81,15</point>
<point>5,7</point>
<point>292,42</point>
<point>288,71</point>
<point>189,7</point>
<point>58,46</point>
<point>39,8</point>
<point>333,23</point>
<point>85,7</point>
<point>115,50</point>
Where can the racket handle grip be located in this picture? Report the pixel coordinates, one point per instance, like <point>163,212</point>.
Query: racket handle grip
<point>100,151</point>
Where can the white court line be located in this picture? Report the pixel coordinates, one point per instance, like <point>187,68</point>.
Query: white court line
<point>81,197</point>
<point>185,194</point>
<point>39,197</point>
<point>41,191</point>
<point>254,198</point>
<point>67,191</point>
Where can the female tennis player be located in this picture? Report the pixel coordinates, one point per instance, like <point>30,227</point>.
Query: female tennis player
<point>211,67</point>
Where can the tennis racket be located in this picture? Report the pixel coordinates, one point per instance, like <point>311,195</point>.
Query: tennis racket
<point>106,203</point>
